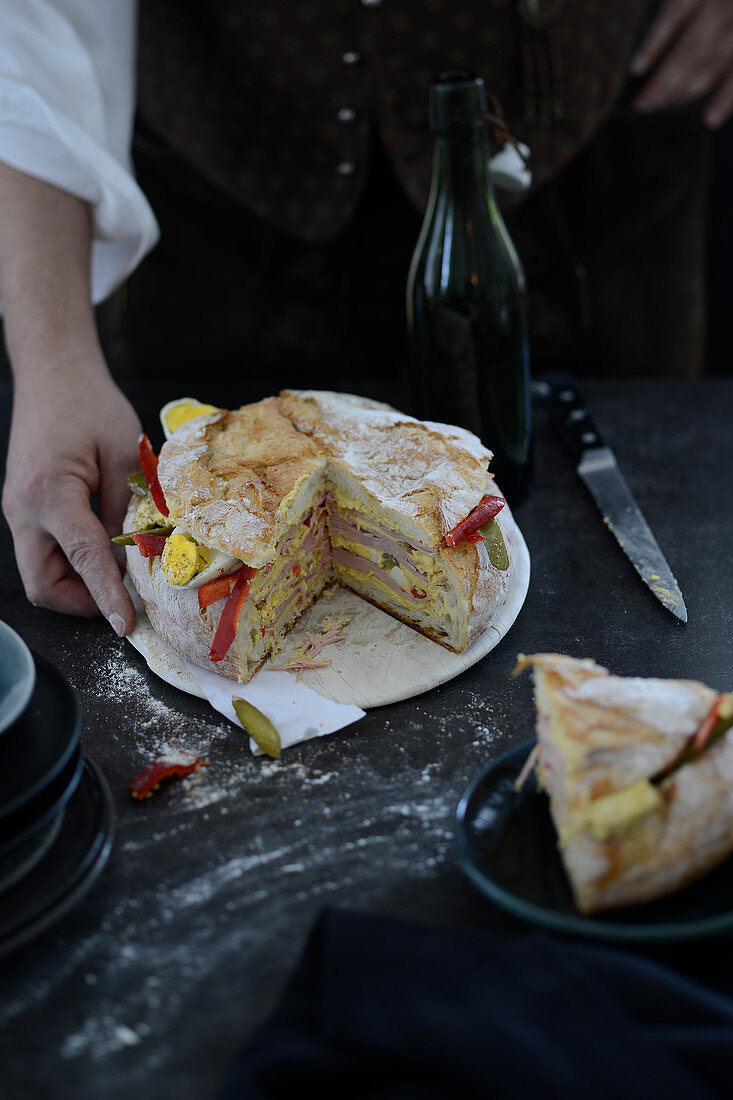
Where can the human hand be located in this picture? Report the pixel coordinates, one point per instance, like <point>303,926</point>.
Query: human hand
<point>75,438</point>
<point>687,54</point>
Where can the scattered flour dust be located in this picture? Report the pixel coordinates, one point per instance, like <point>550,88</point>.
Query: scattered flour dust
<point>474,713</point>
<point>155,730</point>
<point>101,1033</point>
<point>380,841</point>
<point>126,684</point>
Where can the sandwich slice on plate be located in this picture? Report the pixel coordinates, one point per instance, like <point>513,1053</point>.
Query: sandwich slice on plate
<point>639,774</point>
<point>248,515</point>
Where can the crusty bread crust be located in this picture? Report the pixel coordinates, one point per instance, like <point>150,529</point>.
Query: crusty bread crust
<point>174,612</point>
<point>238,480</point>
<point>687,835</point>
<point>486,587</point>
<point>232,478</point>
<point>175,616</point>
<point>226,475</point>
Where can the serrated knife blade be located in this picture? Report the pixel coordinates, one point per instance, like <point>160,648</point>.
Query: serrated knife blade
<point>599,471</point>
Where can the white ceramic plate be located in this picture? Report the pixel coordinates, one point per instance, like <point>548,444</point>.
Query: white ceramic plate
<point>17,676</point>
<point>381,660</point>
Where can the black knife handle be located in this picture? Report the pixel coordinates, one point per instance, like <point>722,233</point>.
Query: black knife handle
<point>568,412</point>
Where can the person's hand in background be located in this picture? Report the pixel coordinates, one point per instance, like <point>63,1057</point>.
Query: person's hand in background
<point>73,433</point>
<point>686,55</point>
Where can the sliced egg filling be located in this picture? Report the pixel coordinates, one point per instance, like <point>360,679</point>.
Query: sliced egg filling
<point>187,563</point>
<point>179,412</point>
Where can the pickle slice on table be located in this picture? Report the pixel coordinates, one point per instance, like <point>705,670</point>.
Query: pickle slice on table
<point>258,726</point>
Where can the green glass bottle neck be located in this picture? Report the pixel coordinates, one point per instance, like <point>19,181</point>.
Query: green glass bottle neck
<point>460,170</point>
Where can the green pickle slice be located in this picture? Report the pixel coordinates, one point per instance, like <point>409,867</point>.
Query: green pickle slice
<point>258,726</point>
<point>495,545</point>
<point>137,484</point>
<point>127,540</point>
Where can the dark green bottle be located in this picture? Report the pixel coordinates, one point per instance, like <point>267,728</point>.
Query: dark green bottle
<point>466,298</point>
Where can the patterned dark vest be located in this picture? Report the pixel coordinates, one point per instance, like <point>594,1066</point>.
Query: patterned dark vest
<point>273,102</point>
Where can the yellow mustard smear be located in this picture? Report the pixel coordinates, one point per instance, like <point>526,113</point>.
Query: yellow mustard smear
<point>147,515</point>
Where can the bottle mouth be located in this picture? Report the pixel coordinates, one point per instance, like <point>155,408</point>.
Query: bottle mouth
<point>457,100</point>
<point>456,77</point>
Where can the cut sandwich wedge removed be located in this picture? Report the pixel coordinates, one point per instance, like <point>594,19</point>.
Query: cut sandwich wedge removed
<point>639,774</point>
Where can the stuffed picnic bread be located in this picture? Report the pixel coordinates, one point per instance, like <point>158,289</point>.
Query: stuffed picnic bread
<point>639,774</point>
<point>251,513</point>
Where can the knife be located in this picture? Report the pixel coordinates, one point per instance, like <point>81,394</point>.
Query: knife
<point>598,470</point>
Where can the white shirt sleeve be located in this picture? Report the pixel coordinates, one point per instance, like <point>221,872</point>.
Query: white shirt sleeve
<point>67,89</point>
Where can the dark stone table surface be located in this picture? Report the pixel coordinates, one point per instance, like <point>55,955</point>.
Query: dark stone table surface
<point>183,945</point>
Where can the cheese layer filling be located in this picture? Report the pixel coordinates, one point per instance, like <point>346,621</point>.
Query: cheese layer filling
<point>336,541</point>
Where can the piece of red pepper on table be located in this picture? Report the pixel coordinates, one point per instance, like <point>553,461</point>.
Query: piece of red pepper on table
<point>149,463</point>
<point>177,764</point>
<point>486,509</point>
<point>227,629</point>
<point>150,546</point>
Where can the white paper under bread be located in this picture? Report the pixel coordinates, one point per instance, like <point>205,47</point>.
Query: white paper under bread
<point>296,712</point>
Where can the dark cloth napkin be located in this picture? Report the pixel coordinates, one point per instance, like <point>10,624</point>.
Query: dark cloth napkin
<point>389,1010</point>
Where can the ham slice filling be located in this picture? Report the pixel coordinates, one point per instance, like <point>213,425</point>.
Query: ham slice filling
<point>344,557</point>
<point>305,563</point>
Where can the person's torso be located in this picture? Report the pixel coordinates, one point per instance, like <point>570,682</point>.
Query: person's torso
<point>273,103</point>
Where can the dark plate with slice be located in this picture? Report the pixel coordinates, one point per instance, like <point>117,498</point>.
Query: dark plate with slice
<point>507,845</point>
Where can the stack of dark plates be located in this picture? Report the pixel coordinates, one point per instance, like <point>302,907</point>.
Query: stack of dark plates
<point>56,810</point>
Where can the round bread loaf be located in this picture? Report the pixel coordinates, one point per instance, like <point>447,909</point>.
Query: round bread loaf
<point>380,488</point>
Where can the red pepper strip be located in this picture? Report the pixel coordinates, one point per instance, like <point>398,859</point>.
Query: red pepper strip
<point>419,593</point>
<point>227,628</point>
<point>487,508</point>
<point>475,537</point>
<point>217,589</point>
<point>149,463</point>
<point>708,724</point>
<point>150,546</point>
<point>143,785</point>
